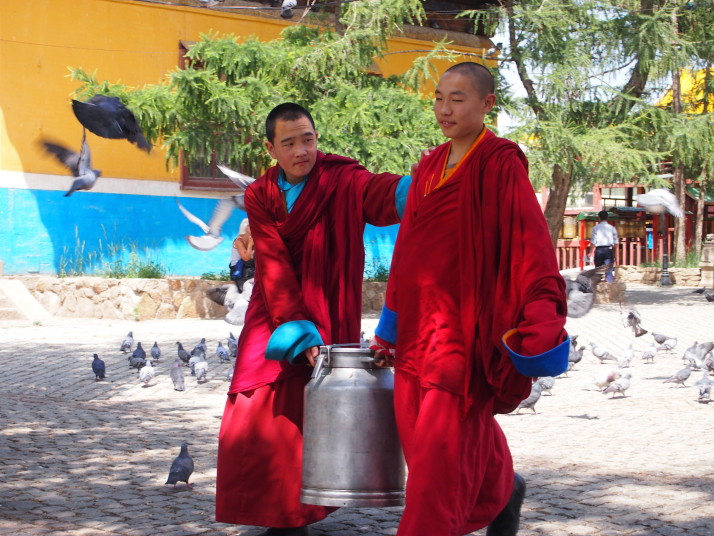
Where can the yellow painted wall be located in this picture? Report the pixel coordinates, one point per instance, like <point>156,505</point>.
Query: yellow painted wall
<point>125,41</point>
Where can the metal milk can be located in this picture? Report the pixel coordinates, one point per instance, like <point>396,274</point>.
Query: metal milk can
<point>351,450</point>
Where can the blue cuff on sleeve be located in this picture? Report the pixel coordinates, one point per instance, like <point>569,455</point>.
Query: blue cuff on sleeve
<point>400,196</point>
<point>289,340</point>
<point>551,363</point>
<point>387,326</point>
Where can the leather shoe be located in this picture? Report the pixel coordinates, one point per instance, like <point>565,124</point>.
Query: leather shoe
<point>291,531</point>
<point>507,522</point>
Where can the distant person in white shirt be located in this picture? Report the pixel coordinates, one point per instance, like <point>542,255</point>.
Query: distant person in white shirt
<point>603,242</point>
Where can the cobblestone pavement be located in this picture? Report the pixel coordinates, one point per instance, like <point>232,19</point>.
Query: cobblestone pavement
<point>91,458</point>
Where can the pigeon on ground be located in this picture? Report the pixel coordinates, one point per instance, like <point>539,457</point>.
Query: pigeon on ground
<point>696,354</point>
<point>631,319</point>
<point>232,347</point>
<point>660,200</point>
<point>650,352</point>
<point>201,369</point>
<point>546,384</point>
<point>136,362</point>
<point>604,379</point>
<point>602,354</point>
<point>620,385</point>
<point>222,353</point>
<point>662,339</point>
<point>98,368</point>
<point>708,363</point>
<point>212,230</point>
<point>624,360</point>
<point>155,352</point>
<point>576,355</point>
<point>581,290</point>
<point>183,354</point>
<point>198,351</point>
<point>146,373</point>
<point>195,358</point>
<point>177,375</point>
<point>203,345</point>
<point>127,343</point>
<point>181,468</point>
<point>705,387</point>
<point>680,376</point>
<point>107,117</point>
<point>79,164</point>
<point>530,402</point>
<point>139,351</point>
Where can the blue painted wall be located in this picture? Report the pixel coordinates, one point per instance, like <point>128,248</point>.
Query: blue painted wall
<point>45,232</point>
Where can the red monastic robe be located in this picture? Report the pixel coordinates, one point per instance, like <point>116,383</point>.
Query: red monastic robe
<point>309,266</point>
<point>473,259</point>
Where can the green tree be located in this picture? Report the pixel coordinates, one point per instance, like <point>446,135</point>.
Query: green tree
<point>590,70</point>
<point>219,102</point>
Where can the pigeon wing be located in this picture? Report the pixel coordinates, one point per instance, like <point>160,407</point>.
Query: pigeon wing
<point>64,156</point>
<point>193,219</point>
<point>239,179</point>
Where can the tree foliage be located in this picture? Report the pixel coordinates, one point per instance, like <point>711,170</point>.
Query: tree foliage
<point>591,72</point>
<point>219,101</point>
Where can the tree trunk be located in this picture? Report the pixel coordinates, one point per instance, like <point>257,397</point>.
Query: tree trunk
<point>557,201</point>
<point>699,224</point>
<point>680,245</point>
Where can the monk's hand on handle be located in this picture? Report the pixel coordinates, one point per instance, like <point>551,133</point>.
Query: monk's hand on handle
<point>383,357</point>
<point>311,354</point>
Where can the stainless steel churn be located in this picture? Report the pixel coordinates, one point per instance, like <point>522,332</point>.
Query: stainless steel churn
<point>351,450</point>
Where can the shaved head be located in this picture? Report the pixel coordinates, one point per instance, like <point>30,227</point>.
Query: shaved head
<point>480,76</point>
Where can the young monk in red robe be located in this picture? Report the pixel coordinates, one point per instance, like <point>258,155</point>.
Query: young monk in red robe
<point>473,260</point>
<point>307,216</point>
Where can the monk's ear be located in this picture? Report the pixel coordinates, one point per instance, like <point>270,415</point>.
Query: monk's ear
<point>489,102</point>
<point>271,149</point>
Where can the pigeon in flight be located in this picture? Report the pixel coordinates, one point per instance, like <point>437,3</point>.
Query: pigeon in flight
<point>581,290</point>
<point>533,398</point>
<point>660,200</point>
<point>79,164</point>
<point>98,368</point>
<point>286,9</point>
<point>680,376</point>
<point>127,342</point>
<point>631,319</point>
<point>620,385</point>
<point>177,375</point>
<point>107,117</point>
<point>239,179</point>
<point>155,352</point>
<point>236,302</point>
<point>212,230</point>
<point>181,468</point>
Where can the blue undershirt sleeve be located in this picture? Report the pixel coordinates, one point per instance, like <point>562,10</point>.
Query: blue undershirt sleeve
<point>400,196</point>
<point>291,339</point>
<point>387,326</point>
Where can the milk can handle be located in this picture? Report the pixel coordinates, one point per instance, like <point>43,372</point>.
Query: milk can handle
<point>324,360</point>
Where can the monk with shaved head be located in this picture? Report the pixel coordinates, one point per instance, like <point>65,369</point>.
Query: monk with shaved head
<point>475,308</point>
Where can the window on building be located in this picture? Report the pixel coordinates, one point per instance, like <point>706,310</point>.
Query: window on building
<point>196,174</point>
<point>616,197</point>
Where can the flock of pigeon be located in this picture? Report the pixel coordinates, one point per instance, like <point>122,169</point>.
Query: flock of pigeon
<point>195,360</point>
<point>617,380</point>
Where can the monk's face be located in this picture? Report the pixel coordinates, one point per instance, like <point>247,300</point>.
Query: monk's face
<point>460,107</point>
<point>294,147</point>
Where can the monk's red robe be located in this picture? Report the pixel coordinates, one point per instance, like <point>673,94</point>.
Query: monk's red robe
<point>309,266</point>
<point>473,259</point>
